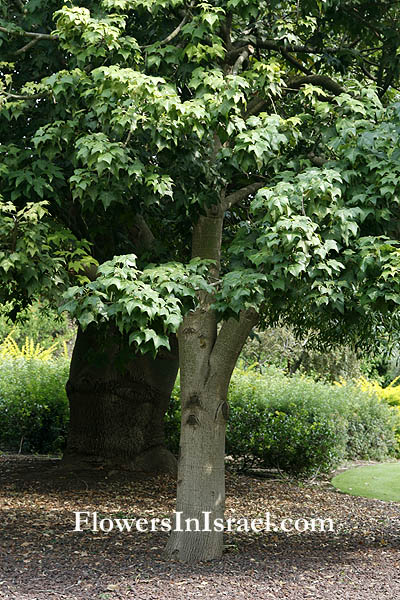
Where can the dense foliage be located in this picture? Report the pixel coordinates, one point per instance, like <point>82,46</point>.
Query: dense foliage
<point>33,405</point>
<point>298,425</point>
<point>290,423</point>
<point>158,109</point>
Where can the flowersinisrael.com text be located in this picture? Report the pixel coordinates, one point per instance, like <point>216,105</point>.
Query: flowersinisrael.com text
<point>85,520</point>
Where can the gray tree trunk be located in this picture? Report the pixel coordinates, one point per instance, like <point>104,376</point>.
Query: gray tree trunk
<point>207,359</point>
<point>201,480</point>
<point>118,400</point>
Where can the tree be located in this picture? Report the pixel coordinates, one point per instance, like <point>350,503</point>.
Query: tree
<point>50,239</point>
<point>258,153</point>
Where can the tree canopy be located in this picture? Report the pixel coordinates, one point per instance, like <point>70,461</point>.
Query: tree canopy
<point>160,108</point>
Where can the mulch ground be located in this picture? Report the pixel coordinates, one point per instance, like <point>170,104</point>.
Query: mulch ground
<point>42,558</point>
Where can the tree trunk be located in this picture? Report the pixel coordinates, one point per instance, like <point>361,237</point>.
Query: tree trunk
<point>201,481</point>
<point>118,400</point>
<point>206,369</point>
<point>206,360</point>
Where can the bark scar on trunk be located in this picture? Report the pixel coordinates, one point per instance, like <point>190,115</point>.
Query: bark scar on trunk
<point>222,408</point>
<point>188,331</point>
<point>203,341</point>
<point>193,420</point>
<point>193,402</point>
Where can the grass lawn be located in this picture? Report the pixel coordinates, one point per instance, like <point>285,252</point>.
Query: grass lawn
<point>376,481</point>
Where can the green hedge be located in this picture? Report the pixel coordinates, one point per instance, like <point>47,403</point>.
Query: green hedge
<point>33,405</point>
<point>299,425</point>
<point>290,423</point>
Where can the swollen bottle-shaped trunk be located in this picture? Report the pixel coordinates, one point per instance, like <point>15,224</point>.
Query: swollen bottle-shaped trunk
<point>118,400</point>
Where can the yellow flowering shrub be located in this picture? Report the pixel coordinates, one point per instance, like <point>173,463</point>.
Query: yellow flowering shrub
<point>10,349</point>
<point>390,394</point>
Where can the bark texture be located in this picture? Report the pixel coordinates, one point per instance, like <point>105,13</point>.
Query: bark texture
<point>118,400</point>
<point>207,359</point>
<point>201,482</point>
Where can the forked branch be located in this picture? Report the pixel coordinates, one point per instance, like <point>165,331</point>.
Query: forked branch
<point>242,194</point>
<point>230,341</point>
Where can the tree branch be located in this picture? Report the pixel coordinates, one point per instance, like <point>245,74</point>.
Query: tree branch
<point>254,107</point>
<point>43,36</point>
<point>19,5</point>
<point>367,73</point>
<point>144,238</point>
<point>226,31</point>
<point>319,80</point>
<point>229,343</point>
<point>318,161</point>
<point>296,63</point>
<point>296,48</point>
<point>28,45</point>
<point>354,13</point>
<point>27,97</point>
<point>233,54</point>
<point>241,194</point>
<point>174,33</point>
<point>244,55</point>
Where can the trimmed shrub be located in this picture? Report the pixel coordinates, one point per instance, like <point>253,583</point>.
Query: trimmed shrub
<point>289,423</point>
<point>298,425</point>
<point>366,403</point>
<point>33,405</point>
